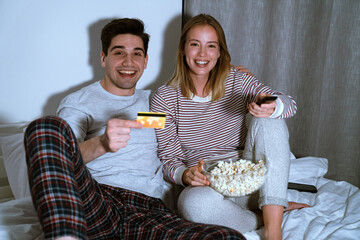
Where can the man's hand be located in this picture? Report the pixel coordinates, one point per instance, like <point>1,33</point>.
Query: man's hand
<point>193,176</point>
<point>117,134</point>
<point>243,69</point>
<point>264,110</point>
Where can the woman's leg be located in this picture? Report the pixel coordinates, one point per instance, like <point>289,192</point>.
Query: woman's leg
<point>68,201</point>
<point>205,205</point>
<point>270,138</point>
<point>148,218</point>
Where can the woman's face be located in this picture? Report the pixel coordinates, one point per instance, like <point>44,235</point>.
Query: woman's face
<point>201,51</point>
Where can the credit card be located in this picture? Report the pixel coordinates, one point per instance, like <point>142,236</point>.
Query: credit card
<point>151,119</point>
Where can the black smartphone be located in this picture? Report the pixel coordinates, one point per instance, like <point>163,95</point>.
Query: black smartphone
<point>266,99</point>
<point>302,187</point>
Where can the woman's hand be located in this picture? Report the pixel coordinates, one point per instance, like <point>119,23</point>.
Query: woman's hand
<point>193,176</point>
<point>264,110</point>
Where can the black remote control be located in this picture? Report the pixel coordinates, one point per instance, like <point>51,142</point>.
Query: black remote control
<point>302,187</point>
<point>266,99</point>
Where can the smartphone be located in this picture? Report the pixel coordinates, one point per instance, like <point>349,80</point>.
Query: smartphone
<point>302,187</point>
<point>266,99</point>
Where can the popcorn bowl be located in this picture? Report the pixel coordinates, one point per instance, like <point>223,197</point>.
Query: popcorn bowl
<point>233,176</point>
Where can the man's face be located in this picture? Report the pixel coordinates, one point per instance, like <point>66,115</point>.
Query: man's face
<point>124,64</point>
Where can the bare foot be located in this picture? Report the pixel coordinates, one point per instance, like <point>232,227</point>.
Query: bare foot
<point>66,238</point>
<point>295,205</point>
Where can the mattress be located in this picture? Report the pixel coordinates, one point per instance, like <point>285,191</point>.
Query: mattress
<point>335,211</point>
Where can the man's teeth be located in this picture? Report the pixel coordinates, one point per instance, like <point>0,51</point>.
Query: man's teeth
<point>201,62</point>
<point>127,72</point>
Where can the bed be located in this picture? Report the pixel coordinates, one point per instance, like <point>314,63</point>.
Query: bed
<point>335,211</point>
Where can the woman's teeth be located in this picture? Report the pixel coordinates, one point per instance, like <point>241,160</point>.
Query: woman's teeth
<point>201,62</point>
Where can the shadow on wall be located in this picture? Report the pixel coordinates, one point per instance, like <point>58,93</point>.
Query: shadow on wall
<point>94,61</point>
<point>168,55</point>
<point>168,59</point>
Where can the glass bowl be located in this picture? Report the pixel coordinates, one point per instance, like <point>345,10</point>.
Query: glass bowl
<point>233,176</point>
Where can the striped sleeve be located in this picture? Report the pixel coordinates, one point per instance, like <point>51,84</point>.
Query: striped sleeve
<point>169,148</point>
<point>196,130</point>
<point>251,87</point>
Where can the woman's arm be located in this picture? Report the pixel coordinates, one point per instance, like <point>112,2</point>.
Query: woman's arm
<point>251,89</point>
<point>169,147</point>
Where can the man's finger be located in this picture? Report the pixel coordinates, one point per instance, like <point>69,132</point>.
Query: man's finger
<point>133,124</point>
<point>127,123</point>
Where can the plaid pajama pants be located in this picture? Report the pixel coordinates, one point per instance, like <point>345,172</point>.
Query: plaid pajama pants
<point>69,202</point>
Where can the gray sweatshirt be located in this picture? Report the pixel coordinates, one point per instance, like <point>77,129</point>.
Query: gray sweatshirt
<point>135,167</point>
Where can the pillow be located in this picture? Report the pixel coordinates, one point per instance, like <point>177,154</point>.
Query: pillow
<point>307,169</point>
<point>13,152</point>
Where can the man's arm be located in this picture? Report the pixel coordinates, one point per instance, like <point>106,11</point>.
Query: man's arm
<point>116,136</point>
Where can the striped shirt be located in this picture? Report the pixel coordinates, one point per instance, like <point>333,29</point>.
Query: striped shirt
<point>196,130</point>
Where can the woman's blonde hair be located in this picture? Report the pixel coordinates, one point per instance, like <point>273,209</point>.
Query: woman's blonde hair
<point>216,83</point>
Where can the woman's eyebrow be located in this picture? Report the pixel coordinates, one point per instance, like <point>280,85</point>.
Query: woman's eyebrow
<point>195,40</point>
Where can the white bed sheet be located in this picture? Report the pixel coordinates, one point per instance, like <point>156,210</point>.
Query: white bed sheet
<point>334,215</point>
<point>335,211</point>
<point>18,220</point>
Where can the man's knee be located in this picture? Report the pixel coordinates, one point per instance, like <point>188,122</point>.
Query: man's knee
<point>47,124</point>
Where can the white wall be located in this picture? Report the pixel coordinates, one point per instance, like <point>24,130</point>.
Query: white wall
<point>51,48</point>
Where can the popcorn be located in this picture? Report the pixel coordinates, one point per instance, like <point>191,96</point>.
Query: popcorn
<point>237,178</point>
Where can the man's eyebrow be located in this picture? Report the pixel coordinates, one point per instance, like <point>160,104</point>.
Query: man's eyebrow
<point>141,49</point>
<point>122,47</point>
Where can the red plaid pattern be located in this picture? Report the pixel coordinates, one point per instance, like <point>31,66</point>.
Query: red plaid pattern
<point>69,202</point>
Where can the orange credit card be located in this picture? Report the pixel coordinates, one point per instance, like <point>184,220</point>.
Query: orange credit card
<point>151,119</point>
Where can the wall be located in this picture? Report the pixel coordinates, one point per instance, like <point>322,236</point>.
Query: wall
<point>52,48</point>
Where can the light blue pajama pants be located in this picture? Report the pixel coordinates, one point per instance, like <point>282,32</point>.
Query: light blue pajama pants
<point>267,137</point>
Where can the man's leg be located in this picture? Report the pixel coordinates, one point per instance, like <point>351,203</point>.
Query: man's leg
<point>68,201</point>
<point>270,138</point>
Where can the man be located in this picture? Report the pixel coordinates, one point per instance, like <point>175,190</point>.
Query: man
<point>117,194</point>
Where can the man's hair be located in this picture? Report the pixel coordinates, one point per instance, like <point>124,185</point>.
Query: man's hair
<point>216,83</point>
<point>123,26</point>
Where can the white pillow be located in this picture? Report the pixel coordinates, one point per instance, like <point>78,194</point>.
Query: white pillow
<point>13,152</point>
<point>307,169</point>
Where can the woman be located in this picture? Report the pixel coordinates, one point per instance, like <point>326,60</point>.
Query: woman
<point>206,101</point>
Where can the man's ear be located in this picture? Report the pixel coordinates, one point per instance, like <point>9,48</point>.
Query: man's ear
<point>102,59</point>
<point>146,61</point>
